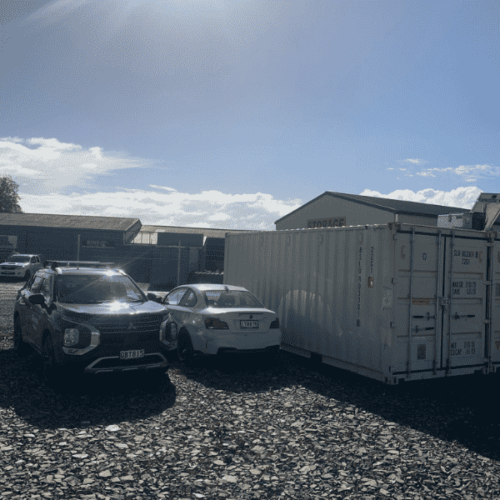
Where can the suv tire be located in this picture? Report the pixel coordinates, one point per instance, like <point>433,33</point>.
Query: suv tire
<point>20,346</point>
<point>51,371</point>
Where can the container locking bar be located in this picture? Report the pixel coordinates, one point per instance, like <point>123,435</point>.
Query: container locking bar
<point>458,316</point>
<point>417,329</point>
<point>428,317</point>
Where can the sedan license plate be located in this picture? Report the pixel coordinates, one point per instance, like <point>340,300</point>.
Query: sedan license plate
<point>132,354</point>
<point>249,324</point>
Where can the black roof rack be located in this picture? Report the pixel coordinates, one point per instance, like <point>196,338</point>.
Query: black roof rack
<point>77,263</point>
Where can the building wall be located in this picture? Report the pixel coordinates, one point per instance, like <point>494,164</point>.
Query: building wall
<point>417,219</point>
<point>329,207</point>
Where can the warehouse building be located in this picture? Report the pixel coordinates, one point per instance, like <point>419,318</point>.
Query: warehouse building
<point>332,209</point>
<point>166,255</point>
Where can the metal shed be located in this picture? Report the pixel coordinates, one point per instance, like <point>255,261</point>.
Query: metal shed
<point>332,209</point>
<point>66,236</point>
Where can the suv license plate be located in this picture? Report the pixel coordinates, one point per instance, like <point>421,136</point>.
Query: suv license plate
<point>249,324</point>
<point>132,354</point>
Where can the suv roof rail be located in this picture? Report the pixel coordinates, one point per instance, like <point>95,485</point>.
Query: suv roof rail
<point>77,263</point>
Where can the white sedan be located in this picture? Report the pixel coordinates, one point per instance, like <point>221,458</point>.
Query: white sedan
<point>20,266</point>
<point>216,319</point>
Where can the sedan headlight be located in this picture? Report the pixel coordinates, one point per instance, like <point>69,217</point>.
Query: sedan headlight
<point>71,336</point>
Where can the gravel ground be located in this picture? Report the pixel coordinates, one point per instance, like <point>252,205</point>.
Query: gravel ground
<point>240,430</point>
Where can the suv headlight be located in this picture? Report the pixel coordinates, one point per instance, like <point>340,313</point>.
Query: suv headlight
<point>71,336</point>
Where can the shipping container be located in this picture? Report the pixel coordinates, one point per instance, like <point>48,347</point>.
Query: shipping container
<point>391,302</point>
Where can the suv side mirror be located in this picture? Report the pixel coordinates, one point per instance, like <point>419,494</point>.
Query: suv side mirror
<point>37,298</point>
<point>152,296</point>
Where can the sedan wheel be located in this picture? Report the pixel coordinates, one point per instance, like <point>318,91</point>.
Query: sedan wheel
<point>185,351</point>
<point>20,346</point>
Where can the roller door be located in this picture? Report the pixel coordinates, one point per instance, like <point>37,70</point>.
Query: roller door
<point>52,245</point>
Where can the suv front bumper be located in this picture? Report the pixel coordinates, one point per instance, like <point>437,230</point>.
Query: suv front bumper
<point>110,364</point>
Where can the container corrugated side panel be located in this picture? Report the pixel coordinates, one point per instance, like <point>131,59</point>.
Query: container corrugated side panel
<point>318,283</point>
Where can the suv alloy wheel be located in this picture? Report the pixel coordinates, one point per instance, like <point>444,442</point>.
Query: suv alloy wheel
<point>51,373</point>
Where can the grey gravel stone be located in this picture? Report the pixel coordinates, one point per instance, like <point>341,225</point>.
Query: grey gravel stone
<point>234,430</point>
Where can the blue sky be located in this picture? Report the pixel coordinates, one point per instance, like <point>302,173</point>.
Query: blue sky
<point>233,113</point>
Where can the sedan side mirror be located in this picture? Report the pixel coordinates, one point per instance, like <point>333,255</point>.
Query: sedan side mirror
<point>37,298</point>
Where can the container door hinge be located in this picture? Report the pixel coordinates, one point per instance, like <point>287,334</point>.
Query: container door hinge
<point>486,321</point>
<point>393,324</point>
<point>445,301</point>
<point>394,281</point>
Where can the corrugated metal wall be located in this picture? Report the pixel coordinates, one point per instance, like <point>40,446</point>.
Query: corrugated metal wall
<point>389,302</point>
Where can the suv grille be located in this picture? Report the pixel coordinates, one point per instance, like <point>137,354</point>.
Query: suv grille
<point>132,325</point>
<point>137,333</point>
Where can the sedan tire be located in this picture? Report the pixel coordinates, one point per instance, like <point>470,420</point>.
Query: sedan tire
<point>185,351</point>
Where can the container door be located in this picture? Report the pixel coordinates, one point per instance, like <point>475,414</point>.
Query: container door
<point>419,269</point>
<point>464,315</point>
<point>495,309</point>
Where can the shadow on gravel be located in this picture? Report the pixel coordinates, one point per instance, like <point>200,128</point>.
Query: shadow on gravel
<point>461,408</point>
<point>240,373</point>
<point>91,401</point>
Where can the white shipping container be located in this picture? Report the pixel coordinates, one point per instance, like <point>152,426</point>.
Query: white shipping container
<point>390,302</point>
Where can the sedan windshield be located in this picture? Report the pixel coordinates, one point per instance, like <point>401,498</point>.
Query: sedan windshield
<point>80,289</point>
<point>231,298</point>
<point>18,258</point>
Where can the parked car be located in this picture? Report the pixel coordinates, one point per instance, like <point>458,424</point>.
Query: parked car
<point>21,266</point>
<point>91,318</point>
<point>216,319</point>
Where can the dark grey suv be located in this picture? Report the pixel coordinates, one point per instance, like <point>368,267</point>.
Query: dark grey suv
<point>92,318</point>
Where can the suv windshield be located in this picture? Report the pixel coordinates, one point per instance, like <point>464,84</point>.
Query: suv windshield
<point>96,289</point>
<point>18,258</point>
<point>231,298</point>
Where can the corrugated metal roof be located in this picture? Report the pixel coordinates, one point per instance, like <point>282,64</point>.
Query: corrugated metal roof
<point>68,221</point>
<point>389,205</point>
<point>207,232</point>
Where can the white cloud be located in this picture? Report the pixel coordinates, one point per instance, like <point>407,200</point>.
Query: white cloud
<point>470,172</point>
<point>162,187</point>
<point>232,211</point>
<point>50,165</point>
<point>414,161</point>
<point>219,216</point>
<point>11,139</point>
<point>461,197</point>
